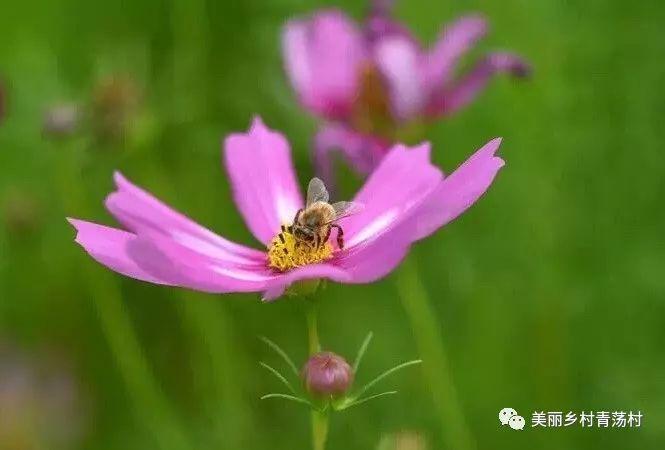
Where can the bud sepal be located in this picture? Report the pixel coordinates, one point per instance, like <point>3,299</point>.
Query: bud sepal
<point>327,379</point>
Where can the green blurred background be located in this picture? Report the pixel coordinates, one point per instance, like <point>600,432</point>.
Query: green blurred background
<point>547,295</point>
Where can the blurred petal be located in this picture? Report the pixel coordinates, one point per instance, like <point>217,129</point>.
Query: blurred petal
<point>263,178</point>
<point>379,27</point>
<point>141,213</point>
<point>362,152</point>
<point>297,60</point>
<point>380,23</point>
<point>458,191</point>
<point>117,249</point>
<point>323,56</point>
<point>400,61</point>
<point>403,179</point>
<point>455,40</point>
<point>465,90</point>
<point>382,7</point>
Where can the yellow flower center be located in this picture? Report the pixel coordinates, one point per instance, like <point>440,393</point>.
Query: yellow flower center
<point>285,252</point>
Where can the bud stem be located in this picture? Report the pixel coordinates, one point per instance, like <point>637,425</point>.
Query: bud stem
<point>319,418</point>
<point>319,429</point>
<point>312,327</point>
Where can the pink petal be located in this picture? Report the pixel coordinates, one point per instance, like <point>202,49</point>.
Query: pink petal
<point>403,179</point>
<point>119,251</point>
<point>142,213</point>
<point>458,191</point>
<point>158,259</point>
<point>451,100</point>
<point>204,273</point>
<point>263,178</point>
<point>323,57</point>
<point>400,61</point>
<point>362,152</point>
<point>208,275</point>
<point>374,259</point>
<point>454,42</point>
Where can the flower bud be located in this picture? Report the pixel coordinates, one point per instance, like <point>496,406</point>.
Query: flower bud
<point>327,374</point>
<point>403,440</point>
<point>19,211</point>
<point>115,103</point>
<point>61,120</point>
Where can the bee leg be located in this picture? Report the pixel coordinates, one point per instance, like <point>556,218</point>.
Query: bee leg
<point>340,235</point>
<point>327,236</point>
<point>295,219</point>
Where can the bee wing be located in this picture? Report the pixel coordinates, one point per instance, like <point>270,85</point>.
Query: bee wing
<point>317,192</point>
<point>346,209</point>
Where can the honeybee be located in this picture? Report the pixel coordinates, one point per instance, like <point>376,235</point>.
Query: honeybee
<point>313,224</point>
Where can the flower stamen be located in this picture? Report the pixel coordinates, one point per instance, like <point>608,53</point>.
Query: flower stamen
<point>286,253</point>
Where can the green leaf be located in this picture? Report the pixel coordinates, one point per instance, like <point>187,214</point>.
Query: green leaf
<point>366,399</point>
<point>385,374</point>
<point>361,351</point>
<point>292,398</point>
<point>279,376</point>
<point>281,353</point>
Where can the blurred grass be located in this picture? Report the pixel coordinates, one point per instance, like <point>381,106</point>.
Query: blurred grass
<point>549,292</point>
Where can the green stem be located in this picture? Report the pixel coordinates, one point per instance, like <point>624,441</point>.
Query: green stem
<point>430,344</point>
<point>312,328</point>
<point>319,429</point>
<point>319,418</point>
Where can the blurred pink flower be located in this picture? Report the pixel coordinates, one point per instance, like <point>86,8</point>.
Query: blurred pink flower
<point>41,401</point>
<point>403,440</point>
<point>374,82</point>
<point>405,199</point>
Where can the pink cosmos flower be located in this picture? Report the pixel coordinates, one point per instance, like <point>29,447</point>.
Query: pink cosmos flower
<point>375,83</point>
<point>405,199</point>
